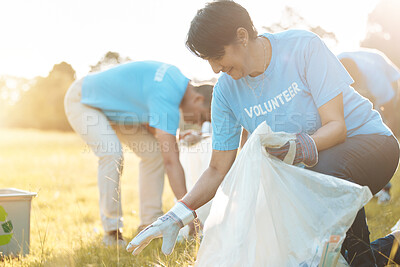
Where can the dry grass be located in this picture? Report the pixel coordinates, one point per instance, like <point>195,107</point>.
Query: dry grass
<point>65,224</point>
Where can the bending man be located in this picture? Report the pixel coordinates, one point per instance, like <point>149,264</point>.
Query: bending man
<point>138,104</point>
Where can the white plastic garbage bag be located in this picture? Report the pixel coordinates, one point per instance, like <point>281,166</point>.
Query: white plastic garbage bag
<point>396,226</point>
<point>195,159</point>
<point>269,213</point>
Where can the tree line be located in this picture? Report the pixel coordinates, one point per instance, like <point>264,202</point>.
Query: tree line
<point>39,103</point>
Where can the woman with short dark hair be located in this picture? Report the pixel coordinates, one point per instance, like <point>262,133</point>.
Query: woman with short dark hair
<point>292,81</point>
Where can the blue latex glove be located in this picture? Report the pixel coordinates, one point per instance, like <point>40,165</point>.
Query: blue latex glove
<point>167,227</point>
<point>306,150</point>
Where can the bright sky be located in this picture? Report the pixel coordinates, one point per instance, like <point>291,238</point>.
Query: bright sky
<point>35,35</point>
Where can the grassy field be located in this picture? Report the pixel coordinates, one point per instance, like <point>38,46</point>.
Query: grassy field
<point>65,224</point>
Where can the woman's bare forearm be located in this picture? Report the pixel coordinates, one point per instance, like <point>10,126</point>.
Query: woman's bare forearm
<point>333,130</point>
<point>329,135</point>
<point>208,183</point>
<point>205,188</point>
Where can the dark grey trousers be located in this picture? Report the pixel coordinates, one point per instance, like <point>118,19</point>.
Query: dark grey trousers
<point>369,160</point>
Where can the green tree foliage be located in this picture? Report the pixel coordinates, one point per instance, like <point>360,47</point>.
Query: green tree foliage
<point>42,106</point>
<point>108,60</point>
<point>39,103</point>
<point>290,19</point>
<point>383,29</point>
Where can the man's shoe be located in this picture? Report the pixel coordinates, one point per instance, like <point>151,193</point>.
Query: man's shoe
<point>114,238</point>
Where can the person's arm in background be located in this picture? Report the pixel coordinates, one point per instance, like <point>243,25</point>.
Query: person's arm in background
<point>333,130</point>
<point>172,165</point>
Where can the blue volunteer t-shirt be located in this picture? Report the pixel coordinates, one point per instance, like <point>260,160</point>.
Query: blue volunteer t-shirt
<point>302,76</point>
<point>138,92</point>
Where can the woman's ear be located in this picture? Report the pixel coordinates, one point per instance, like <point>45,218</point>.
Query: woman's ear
<point>242,36</point>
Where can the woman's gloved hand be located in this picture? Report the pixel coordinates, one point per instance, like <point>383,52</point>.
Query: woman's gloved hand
<point>306,150</point>
<point>167,227</point>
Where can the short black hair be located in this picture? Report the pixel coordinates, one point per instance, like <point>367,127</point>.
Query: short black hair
<point>206,91</point>
<point>215,26</point>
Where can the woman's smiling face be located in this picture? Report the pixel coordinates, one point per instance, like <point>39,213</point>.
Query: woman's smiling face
<point>233,62</point>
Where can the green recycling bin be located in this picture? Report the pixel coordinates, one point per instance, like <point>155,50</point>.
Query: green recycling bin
<point>15,213</point>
